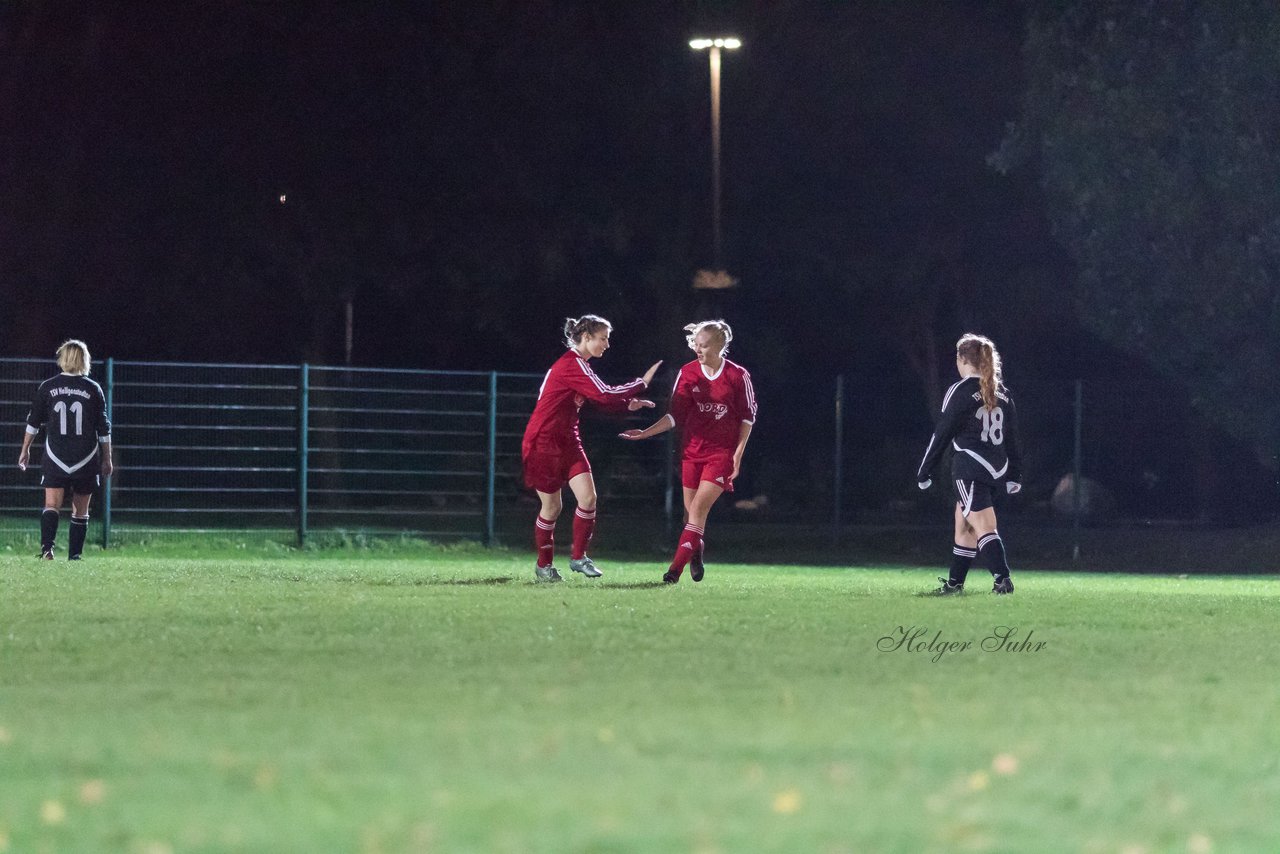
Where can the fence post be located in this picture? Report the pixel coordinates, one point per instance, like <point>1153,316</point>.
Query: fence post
<point>106,482</point>
<point>304,404</point>
<point>492,461</point>
<point>838,464</point>
<point>1076,483</point>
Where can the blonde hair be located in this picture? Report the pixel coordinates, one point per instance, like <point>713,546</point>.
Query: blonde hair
<point>718,328</point>
<point>979,351</point>
<point>588,324</point>
<point>73,357</point>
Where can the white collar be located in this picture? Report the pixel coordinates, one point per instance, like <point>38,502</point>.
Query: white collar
<point>718,372</point>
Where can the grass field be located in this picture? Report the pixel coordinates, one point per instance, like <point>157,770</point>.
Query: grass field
<point>441,701</point>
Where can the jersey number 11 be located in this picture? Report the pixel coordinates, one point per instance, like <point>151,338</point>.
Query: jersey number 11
<point>78,409</point>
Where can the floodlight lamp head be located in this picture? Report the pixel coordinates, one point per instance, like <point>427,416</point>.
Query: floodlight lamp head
<point>726,42</point>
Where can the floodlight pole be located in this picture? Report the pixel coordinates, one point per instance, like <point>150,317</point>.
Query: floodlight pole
<point>713,47</point>
<point>717,240</point>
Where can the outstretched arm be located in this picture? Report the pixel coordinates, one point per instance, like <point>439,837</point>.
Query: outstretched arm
<point>662,425</point>
<point>616,398</point>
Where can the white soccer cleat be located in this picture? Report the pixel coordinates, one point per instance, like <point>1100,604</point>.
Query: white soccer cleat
<point>586,566</point>
<point>547,573</point>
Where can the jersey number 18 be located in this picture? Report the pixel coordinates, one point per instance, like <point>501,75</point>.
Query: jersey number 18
<point>992,425</point>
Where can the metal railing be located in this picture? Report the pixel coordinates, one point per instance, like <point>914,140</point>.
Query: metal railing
<point>291,451</point>
<point>275,449</point>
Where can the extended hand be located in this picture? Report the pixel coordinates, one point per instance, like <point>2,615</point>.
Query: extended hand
<point>631,434</point>
<point>648,375</point>
<point>639,403</point>
<point>23,459</point>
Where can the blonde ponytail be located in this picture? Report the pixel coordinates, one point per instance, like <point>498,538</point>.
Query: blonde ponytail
<point>980,351</point>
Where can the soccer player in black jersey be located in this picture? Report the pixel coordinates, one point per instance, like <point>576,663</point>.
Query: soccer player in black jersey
<point>980,424</point>
<point>77,450</point>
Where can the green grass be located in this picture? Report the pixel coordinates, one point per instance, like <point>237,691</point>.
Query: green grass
<point>442,702</point>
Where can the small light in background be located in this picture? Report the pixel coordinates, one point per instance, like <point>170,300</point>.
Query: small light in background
<point>283,198</point>
<point>713,280</point>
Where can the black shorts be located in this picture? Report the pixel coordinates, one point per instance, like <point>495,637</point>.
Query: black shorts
<point>973,495</point>
<point>79,484</point>
<point>974,487</point>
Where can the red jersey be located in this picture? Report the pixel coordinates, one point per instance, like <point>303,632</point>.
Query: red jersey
<point>710,409</point>
<point>553,427</point>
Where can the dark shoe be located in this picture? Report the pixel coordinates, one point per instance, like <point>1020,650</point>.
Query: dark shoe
<point>696,568</point>
<point>670,577</point>
<point>948,588</point>
<point>46,554</point>
<point>73,557</point>
<point>1003,585</point>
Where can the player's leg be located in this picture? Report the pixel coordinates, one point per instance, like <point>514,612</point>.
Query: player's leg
<point>690,475</point>
<point>698,506</point>
<point>543,474</point>
<point>965,547</point>
<point>584,523</point>
<point>717,472</point>
<point>696,565</point>
<point>53,497</point>
<point>991,552</point>
<point>963,551</point>
<point>544,534</point>
<point>81,495</point>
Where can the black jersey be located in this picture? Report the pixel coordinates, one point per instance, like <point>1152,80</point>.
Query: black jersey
<point>74,411</point>
<point>988,440</point>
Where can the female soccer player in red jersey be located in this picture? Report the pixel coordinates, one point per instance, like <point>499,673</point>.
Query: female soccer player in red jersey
<point>714,406</point>
<point>552,449</point>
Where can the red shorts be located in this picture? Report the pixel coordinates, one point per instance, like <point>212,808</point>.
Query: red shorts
<point>549,471</point>
<point>715,469</point>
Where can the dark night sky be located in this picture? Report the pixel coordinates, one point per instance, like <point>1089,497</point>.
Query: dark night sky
<point>451,166</point>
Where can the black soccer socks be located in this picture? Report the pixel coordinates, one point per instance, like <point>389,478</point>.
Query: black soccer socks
<point>961,558</point>
<point>79,528</point>
<point>991,553</point>
<point>48,528</point>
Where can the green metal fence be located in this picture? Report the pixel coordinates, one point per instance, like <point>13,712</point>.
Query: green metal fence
<point>300,450</point>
